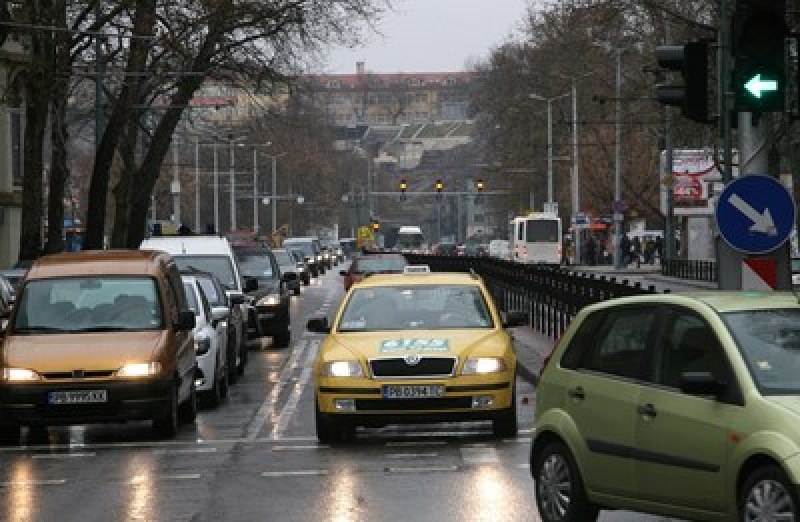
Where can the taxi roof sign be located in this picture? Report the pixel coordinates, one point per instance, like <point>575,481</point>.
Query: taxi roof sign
<point>417,269</point>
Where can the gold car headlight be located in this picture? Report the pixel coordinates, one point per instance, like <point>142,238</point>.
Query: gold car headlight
<point>140,370</point>
<point>20,375</point>
<point>342,369</point>
<point>484,365</point>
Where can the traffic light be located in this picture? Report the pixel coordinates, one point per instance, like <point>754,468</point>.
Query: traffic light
<point>691,60</point>
<point>759,55</point>
<point>439,188</point>
<point>376,226</point>
<point>403,186</point>
<point>479,185</point>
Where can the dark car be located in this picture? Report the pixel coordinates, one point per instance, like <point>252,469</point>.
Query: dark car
<point>364,265</point>
<point>288,265</point>
<point>311,249</point>
<point>303,269</point>
<point>270,301</point>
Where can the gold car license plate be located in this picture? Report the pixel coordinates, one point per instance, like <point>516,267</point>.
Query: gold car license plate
<point>413,391</point>
<point>78,397</point>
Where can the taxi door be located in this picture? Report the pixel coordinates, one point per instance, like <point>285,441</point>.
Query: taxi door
<point>682,440</point>
<point>603,392</point>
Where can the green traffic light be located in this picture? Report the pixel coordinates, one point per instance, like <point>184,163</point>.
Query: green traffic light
<point>757,87</point>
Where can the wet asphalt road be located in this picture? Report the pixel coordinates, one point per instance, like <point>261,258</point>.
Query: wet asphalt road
<point>256,458</point>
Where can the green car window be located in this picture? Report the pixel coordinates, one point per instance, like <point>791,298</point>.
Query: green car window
<point>689,345</point>
<point>622,344</point>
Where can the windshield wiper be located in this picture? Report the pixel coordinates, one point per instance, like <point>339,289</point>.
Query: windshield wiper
<point>35,329</point>
<point>90,329</point>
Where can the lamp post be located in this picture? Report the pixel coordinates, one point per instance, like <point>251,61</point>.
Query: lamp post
<point>549,101</point>
<point>274,158</point>
<point>232,166</point>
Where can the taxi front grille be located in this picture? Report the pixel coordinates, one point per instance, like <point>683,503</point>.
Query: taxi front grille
<point>398,367</point>
<point>93,374</point>
<point>448,403</point>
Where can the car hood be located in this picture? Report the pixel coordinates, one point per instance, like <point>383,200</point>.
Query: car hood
<point>100,351</point>
<point>459,343</point>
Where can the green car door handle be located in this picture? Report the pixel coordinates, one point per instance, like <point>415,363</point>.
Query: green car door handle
<point>647,410</point>
<point>577,393</point>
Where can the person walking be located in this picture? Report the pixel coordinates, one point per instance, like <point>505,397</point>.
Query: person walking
<point>591,248</point>
<point>625,249</point>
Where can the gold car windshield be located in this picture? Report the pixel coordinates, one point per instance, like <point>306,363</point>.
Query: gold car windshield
<point>88,304</point>
<point>426,307</point>
<point>769,341</point>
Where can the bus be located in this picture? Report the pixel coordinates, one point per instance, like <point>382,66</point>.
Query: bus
<point>536,238</point>
<point>410,240</point>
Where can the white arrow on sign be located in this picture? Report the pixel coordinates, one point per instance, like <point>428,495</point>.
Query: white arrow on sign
<point>762,221</point>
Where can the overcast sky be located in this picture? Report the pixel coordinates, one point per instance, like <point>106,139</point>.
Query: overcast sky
<point>433,36</point>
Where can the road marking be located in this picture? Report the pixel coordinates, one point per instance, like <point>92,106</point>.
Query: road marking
<point>42,456</point>
<point>479,455</point>
<point>411,455</point>
<point>17,483</point>
<point>297,390</point>
<point>300,448</point>
<point>184,451</point>
<point>428,469</point>
<point>142,479</point>
<point>296,473</point>
<point>269,402</point>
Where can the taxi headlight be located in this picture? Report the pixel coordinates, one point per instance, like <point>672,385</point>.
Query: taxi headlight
<point>484,365</point>
<point>269,300</point>
<point>140,370</point>
<point>342,369</point>
<point>19,375</point>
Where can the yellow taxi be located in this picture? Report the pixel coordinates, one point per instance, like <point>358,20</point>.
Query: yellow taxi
<point>415,347</point>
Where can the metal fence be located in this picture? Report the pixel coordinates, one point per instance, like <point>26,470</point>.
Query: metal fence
<point>550,294</point>
<point>690,269</point>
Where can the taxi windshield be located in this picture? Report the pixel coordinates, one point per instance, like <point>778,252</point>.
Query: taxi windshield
<point>88,304</point>
<point>427,307</point>
<point>769,341</point>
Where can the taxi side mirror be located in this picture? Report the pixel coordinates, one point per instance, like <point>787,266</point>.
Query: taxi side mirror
<point>318,325</point>
<point>514,319</point>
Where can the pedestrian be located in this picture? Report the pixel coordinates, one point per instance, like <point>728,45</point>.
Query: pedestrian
<point>625,249</point>
<point>659,246</point>
<point>649,251</point>
<point>591,248</point>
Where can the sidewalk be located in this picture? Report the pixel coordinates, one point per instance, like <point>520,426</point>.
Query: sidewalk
<point>532,348</point>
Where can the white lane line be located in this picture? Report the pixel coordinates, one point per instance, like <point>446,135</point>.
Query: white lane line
<point>296,473</point>
<point>479,455</point>
<point>413,443</point>
<point>286,439</point>
<point>182,451</point>
<point>144,479</point>
<point>427,469</point>
<point>25,483</point>
<point>269,402</point>
<point>300,448</point>
<point>411,455</point>
<point>43,456</point>
<point>291,405</point>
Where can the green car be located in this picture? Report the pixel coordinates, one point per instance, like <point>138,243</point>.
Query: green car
<point>679,405</point>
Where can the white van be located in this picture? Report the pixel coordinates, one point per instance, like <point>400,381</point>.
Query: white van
<point>410,240</point>
<point>213,254</point>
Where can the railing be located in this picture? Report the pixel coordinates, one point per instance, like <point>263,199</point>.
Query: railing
<point>690,269</point>
<point>551,295</point>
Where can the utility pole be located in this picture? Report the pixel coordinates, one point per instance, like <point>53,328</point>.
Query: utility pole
<point>216,189</point>
<point>197,185</point>
<point>550,150</point>
<point>99,66</point>
<point>669,167</point>
<point>255,190</point>
<point>232,167</point>
<point>575,179</point>
<point>274,194</point>
<point>618,168</point>
<point>176,186</point>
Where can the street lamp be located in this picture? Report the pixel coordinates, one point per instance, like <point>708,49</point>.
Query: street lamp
<point>549,101</point>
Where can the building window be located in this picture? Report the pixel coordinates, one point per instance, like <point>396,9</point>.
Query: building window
<point>332,84</point>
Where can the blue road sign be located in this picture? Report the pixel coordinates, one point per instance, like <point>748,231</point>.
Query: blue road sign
<point>755,214</point>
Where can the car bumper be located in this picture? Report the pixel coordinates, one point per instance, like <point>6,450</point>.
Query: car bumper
<point>463,400</point>
<point>27,404</point>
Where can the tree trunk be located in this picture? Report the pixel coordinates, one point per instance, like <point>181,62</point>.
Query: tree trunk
<point>143,24</point>
<point>122,191</point>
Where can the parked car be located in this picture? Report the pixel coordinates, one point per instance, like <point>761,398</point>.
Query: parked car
<point>365,265</point>
<point>270,297</point>
<point>684,406</point>
<point>101,336</point>
<point>210,336</point>
<point>213,254</point>
<point>311,249</point>
<point>288,265</point>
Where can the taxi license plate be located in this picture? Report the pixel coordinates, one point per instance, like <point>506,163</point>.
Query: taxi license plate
<point>78,397</point>
<point>416,391</point>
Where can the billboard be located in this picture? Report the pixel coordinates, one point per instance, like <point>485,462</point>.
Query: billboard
<point>694,181</point>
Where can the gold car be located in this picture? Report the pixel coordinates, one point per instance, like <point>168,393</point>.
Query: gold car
<point>415,347</point>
